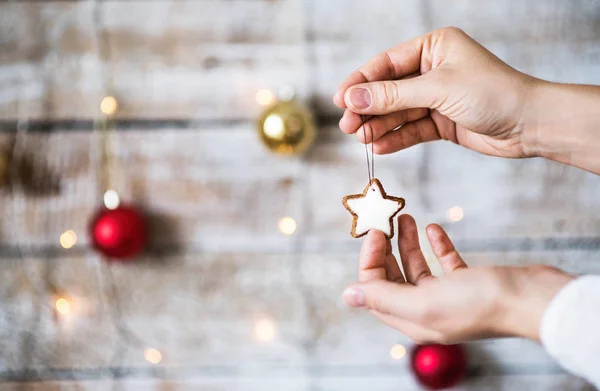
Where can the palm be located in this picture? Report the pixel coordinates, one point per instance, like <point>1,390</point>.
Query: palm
<point>461,293</point>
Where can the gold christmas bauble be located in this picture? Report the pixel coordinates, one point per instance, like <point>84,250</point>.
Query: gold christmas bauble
<point>287,128</point>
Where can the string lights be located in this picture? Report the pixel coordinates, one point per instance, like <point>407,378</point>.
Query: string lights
<point>265,330</point>
<point>265,97</point>
<point>109,105</point>
<point>287,225</point>
<point>153,356</point>
<point>118,232</point>
<point>68,239</point>
<point>63,306</point>
<point>397,352</point>
<point>456,213</point>
<point>111,199</point>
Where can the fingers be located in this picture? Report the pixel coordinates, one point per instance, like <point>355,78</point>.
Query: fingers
<point>413,261</point>
<point>394,307</point>
<point>373,255</point>
<point>385,297</point>
<point>377,262</point>
<point>388,96</point>
<point>352,123</point>
<point>394,63</point>
<point>356,77</point>
<point>392,269</point>
<point>443,249</point>
<point>411,133</point>
<point>417,333</point>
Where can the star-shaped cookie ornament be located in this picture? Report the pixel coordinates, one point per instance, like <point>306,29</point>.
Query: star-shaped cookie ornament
<point>373,209</point>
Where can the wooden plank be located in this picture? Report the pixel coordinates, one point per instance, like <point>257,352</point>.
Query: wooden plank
<point>219,190</point>
<point>201,311</point>
<point>346,383</point>
<point>186,59</point>
<point>207,59</point>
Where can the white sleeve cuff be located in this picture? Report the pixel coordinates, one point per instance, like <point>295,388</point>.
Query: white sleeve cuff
<point>570,328</point>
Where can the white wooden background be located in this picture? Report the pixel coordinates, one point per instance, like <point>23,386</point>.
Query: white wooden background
<point>185,74</point>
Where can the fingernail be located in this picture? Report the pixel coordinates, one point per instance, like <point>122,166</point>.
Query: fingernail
<point>360,98</point>
<point>354,297</point>
<point>337,97</point>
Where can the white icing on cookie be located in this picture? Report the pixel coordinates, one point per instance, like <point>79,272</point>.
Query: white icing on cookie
<point>373,209</point>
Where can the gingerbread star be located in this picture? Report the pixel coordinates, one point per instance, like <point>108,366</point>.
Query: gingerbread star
<point>373,209</point>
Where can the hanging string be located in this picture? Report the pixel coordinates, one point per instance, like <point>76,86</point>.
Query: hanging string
<point>110,168</point>
<point>371,161</point>
<point>105,155</point>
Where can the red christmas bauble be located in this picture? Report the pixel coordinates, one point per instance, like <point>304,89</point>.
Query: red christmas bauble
<point>119,233</point>
<point>439,366</point>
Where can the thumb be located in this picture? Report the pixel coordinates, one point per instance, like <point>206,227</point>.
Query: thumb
<point>385,297</point>
<point>389,96</point>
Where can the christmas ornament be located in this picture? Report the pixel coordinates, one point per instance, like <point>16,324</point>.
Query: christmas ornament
<point>373,208</point>
<point>119,233</point>
<point>439,366</point>
<point>287,128</point>
<point>3,168</point>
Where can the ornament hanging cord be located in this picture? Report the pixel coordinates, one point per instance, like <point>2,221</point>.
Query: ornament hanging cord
<point>371,162</point>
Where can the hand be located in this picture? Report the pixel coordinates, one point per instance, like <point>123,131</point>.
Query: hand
<point>443,85</point>
<point>464,304</point>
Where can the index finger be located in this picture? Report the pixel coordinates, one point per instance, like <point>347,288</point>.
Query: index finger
<point>391,64</point>
<point>373,255</point>
<point>411,256</point>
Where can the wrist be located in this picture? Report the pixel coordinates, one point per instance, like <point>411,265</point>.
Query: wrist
<point>561,122</point>
<point>532,290</point>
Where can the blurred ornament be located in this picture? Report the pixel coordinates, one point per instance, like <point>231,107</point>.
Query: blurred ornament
<point>439,366</point>
<point>119,233</point>
<point>4,164</point>
<point>28,172</point>
<point>287,128</point>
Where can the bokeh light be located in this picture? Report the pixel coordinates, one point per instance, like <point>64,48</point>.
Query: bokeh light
<point>152,355</point>
<point>274,127</point>
<point>287,225</point>
<point>111,199</point>
<point>68,239</point>
<point>264,330</point>
<point>109,105</point>
<point>265,97</point>
<point>286,93</point>
<point>397,352</point>
<point>63,306</point>
<point>456,213</point>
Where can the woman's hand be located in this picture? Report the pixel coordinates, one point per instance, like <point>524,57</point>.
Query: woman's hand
<point>444,85</point>
<point>464,304</point>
